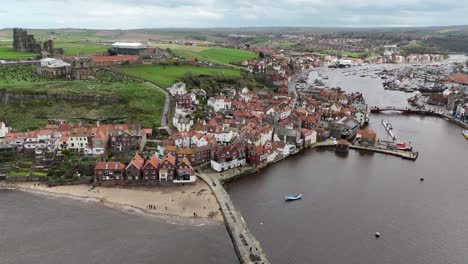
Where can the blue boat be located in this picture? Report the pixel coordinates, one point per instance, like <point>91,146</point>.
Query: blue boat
<point>293,197</point>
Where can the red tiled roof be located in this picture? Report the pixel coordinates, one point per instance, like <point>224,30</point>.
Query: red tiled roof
<point>153,161</point>
<point>137,161</point>
<point>118,58</point>
<point>169,158</point>
<point>111,165</point>
<point>459,78</point>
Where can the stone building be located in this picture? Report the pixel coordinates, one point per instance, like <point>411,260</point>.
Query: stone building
<point>54,69</point>
<point>23,42</point>
<point>80,68</point>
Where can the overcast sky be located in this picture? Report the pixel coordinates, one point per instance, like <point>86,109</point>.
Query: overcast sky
<point>125,14</point>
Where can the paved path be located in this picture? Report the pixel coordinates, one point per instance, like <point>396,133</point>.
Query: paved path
<point>247,247</point>
<point>167,107</point>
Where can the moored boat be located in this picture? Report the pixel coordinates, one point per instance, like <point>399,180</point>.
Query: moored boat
<point>465,133</point>
<point>293,197</point>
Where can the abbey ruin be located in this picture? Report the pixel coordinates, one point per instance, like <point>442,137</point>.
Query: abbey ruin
<point>22,42</point>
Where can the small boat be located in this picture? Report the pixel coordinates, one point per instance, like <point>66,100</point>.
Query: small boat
<point>465,133</point>
<point>293,197</point>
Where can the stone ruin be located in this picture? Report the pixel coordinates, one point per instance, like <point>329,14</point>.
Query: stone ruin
<point>22,42</point>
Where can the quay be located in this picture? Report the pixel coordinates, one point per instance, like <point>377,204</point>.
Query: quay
<point>248,249</point>
<point>409,155</point>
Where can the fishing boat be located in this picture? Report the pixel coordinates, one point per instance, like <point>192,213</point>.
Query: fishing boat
<point>293,197</point>
<point>465,133</point>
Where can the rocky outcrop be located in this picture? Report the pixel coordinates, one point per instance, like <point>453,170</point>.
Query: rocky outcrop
<point>22,42</point>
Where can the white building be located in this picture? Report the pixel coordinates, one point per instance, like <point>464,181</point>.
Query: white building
<point>178,88</point>
<point>3,130</point>
<point>219,103</point>
<point>182,123</point>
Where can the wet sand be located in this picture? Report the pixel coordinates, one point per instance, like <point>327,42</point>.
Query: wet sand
<point>168,202</point>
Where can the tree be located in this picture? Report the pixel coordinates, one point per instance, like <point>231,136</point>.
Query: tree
<point>261,55</point>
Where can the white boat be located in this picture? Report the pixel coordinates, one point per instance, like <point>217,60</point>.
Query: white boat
<point>465,133</point>
<point>293,197</point>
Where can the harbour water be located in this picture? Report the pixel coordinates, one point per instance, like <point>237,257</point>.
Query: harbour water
<point>41,229</point>
<point>346,199</point>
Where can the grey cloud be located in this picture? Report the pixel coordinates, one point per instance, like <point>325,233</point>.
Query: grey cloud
<point>233,13</point>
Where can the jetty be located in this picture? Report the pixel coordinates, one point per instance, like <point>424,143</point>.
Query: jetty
<point>248,249</point>
<point>389,128</point>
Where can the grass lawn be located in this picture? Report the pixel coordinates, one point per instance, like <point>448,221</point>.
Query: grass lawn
<point>141,103</point>
<point>165,76</point>
<point>8,53</point>
<point>39,174</point>
<point>73,48</point>
<point>18,173</point>
<point>218,55</point>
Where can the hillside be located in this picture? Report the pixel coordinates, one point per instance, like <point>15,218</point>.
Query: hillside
<point>28,101</point>
<point>165,76</point>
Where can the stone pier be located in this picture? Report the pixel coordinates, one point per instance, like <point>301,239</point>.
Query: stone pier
<point>248,249</point>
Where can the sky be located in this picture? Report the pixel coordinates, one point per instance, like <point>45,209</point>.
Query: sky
<point>128,14</point>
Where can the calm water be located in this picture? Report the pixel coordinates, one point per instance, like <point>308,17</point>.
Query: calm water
<point>37,229</point>
<point>347,199</point>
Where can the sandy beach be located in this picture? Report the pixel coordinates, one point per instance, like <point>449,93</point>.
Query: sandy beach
<point>189,201</point>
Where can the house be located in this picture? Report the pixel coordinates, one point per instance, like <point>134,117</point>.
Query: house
<point>257,156</point>
<point>309,136</point>
<point>99,143</point>
<point>185,101</point>
<point>14,138</point>
<point>361,118</point>
<point>150,170</point>
<point>182,123</point>
<point>366,137</point>
<point>196,155</point>
<point>107,171</point>
<point>167,168</point>
<point>129,139</point>
<point>178,88</point>
<point>219,103</point>
<point>133,169</point>
<point>3,130</point>
<point>287,135</point>
<point>185,172</point>
<point>228,157</point>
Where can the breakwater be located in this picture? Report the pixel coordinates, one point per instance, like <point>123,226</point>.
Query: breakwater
<point>248,248</point>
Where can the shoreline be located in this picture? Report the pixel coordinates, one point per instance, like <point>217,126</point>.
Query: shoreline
<point>180,208</point>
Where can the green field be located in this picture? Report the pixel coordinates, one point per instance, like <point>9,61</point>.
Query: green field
<point>165,76</point>
<point>218,55</point>
<point>7,52</point>
<point>73,48</point>
<point>343,53</point>
<point>138,102</point>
